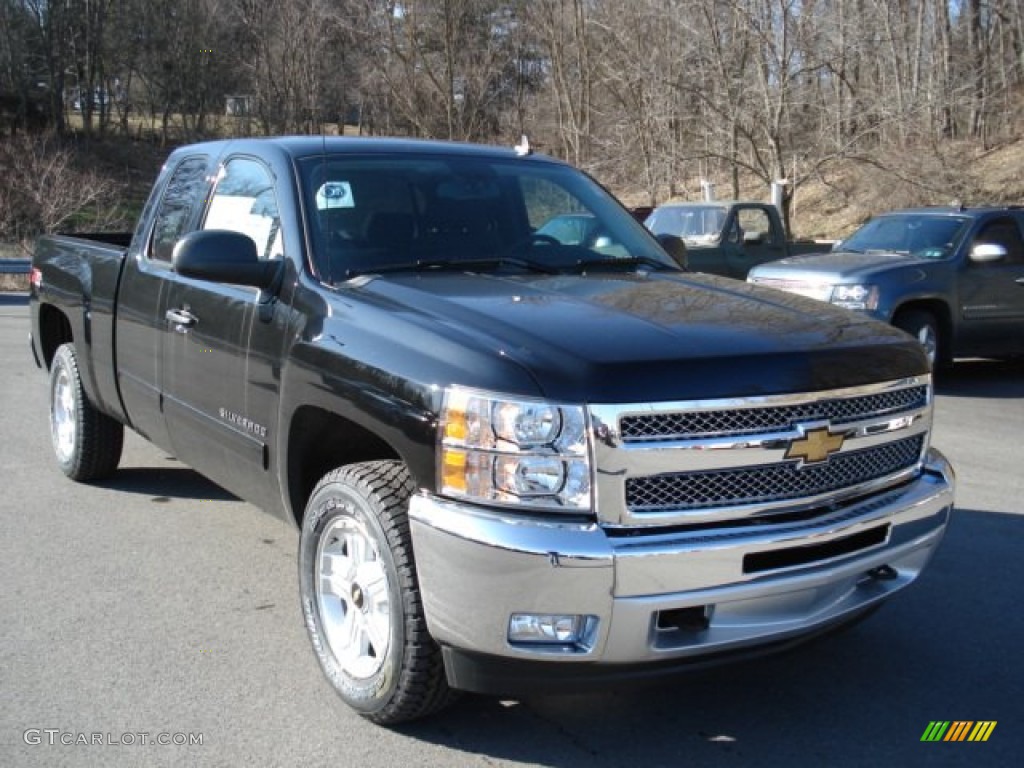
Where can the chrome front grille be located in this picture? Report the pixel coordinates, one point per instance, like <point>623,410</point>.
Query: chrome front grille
<point>701,490</point>
<point>752,421</point>
<point>694,462</point>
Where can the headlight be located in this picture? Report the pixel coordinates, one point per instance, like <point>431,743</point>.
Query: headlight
<point>513,451</point>
<point>863,297</point>
<point>819,291</point>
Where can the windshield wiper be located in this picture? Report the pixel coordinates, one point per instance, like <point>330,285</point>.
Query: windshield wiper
<point>426,265</point>
<point>631,261</point>
<point>510,261</point>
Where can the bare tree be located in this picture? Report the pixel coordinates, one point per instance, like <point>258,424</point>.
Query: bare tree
<point>20,69</point>
<point>445,68</point>
<point>647,94</point>
<point>562,29</point>
<point>290,49</point>
<point>44,190</point>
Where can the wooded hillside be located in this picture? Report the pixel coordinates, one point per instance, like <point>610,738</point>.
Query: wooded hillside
<point>861,104</point>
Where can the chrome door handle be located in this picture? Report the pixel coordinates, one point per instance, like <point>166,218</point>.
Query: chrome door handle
<point>181,318</point>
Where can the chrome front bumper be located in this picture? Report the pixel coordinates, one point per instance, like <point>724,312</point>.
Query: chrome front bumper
<point>756,584</point>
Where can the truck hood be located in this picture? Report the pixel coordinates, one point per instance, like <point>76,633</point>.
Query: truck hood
<point>838,266</point>
<point>629,337</point>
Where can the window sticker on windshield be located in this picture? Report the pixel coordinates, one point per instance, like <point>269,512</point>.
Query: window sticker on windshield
<point>335,194</point>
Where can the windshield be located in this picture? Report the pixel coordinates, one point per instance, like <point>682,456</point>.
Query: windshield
<point>691,222</point>
<point>924,236</point>
<point>387,213</point>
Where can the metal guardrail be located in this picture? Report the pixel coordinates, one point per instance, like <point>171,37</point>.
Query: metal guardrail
<point>15,266</point>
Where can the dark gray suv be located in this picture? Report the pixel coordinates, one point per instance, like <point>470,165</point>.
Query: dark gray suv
<point>952,277</point>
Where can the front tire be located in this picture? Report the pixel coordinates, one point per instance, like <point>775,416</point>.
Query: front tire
<point>360,595</point>
<point>87,443</point>
<point>924,327</point>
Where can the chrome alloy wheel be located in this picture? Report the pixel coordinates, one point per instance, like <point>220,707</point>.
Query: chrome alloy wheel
<point>63,416</point>
<point>929,339</point>
<point>352,593</point>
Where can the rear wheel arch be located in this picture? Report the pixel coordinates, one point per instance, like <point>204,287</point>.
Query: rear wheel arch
<point>54,330</point>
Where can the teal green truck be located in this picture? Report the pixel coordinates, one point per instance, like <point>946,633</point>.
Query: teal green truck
<point>729,237</point>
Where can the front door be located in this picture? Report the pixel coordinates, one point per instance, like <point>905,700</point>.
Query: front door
<point>992,294</point>
<point>759,241</point>
<point>208,336</point>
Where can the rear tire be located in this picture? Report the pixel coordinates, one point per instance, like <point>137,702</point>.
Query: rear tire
<point>87,443</point>
<point>360,595</point>
<point>923,326</point>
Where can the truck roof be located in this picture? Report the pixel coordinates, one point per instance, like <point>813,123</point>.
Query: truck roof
<point>706,203</point>
<point>313,146</point>
<point>953,210</point>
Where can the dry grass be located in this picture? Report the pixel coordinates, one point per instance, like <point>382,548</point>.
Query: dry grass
<point>12,282</point>
<point>848,193</point>
<point>16,283</point>
<point>961,173</point>
<point>142,127</point>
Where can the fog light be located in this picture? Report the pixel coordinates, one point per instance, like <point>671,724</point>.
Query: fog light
<point>560,629</point>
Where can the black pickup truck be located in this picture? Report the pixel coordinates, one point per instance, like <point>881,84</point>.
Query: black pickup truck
<point>517,465</point>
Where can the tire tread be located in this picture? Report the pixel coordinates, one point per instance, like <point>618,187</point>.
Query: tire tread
<point>423,686</point>
<point>100,438</point>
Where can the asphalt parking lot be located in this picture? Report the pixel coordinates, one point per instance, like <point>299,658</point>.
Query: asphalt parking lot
<point>156,604</point>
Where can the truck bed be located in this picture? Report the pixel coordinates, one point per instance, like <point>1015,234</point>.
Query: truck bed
<point>84,270</point>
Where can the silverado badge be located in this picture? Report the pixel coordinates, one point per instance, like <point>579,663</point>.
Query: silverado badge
<point>815,446</point>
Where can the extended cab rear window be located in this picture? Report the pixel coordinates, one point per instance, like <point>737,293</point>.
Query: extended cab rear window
<point>181,200</point>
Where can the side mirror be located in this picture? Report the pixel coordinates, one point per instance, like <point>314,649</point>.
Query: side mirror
<point>223,256</point>
<point>987,253</point>
<point>837,245</point>
<point>674,247</point>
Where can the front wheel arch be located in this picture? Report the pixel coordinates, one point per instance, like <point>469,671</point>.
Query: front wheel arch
<point>912,316</point>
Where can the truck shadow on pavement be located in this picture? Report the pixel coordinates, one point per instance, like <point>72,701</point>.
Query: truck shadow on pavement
<point>982,378</point>
<point>165,483</point>
<point>947,648</point>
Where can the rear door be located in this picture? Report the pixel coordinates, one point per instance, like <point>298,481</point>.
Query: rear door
<point>992,294</point>
<point>140,323</point>
<point>209,328</point>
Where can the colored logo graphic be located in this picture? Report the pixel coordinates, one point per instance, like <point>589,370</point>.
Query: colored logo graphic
<point>815,446</point>
<point>959,730</point>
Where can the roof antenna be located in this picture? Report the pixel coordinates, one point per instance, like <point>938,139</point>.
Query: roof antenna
<point>523,148</point>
